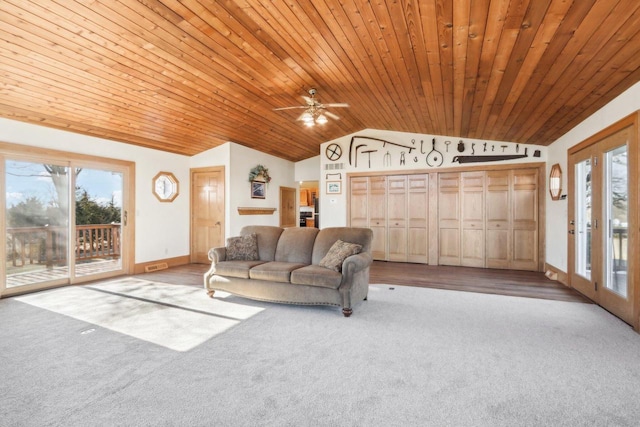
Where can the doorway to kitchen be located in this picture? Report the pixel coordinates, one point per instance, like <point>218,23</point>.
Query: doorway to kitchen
<point>309,204</point>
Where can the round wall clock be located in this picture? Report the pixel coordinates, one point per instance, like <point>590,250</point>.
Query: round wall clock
<point>165,186</point>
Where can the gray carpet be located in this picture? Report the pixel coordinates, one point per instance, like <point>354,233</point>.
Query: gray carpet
<point>408,356</point>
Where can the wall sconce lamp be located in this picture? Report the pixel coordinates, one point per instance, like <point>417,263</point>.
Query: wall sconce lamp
<point>555,182</point>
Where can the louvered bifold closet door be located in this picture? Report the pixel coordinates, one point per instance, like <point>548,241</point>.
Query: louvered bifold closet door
<point>498,219</point>
<point>397,218</point>
<point>449,219</point>
<point>377,206</point>
<point>524,219</point>
<point>417,218</point>
<point>472,214</point>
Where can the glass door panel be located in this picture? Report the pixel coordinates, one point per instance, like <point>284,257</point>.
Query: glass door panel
<point>98,219</point>
<point>37,223</point>
<point>616,218</point>
<point>583,211</point>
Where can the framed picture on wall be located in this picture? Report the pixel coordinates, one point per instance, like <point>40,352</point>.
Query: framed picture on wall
<point>258,189</point>
<point>334,187</point>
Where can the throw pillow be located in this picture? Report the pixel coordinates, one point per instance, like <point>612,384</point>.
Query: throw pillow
<point>243,248</point>
<point>338,253</point>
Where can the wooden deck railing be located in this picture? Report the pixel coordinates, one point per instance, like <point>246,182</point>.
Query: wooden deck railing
<point>48,245</point>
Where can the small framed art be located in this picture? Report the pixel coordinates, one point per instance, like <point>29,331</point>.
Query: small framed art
<point>334,187</point>
<point>258,189</point>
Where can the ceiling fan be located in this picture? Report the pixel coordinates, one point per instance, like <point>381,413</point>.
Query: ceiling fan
<point>315,112</point>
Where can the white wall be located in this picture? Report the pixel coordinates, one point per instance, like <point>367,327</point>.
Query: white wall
<point>244,159</point>
<point>557,211</point>
<point>308,169</point>
<point>416,149</point>
<point>162,229</point>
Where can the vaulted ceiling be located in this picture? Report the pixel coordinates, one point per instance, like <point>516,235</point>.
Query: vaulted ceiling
<point>188,75</point>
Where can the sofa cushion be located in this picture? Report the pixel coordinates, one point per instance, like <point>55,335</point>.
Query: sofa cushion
<point>328,236</point>
<point>338,253</point>
<point>268,236</point>
<point>314,275</point>
<point>242,248</point>
<point>274,271</point>
<point>296,245</point>
<point>238,269</point>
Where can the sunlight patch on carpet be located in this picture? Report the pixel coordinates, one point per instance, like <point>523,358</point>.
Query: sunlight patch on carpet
<point>173,316</point>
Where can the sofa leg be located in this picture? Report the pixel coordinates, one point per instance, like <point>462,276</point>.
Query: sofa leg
<point>210,292</point>
<point>347,312</point>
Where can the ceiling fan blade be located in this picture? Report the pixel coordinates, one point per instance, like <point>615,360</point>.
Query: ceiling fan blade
<point>308,100</point>
<point>330,114</point>
<point>289,108</point>
<point>336,105</point>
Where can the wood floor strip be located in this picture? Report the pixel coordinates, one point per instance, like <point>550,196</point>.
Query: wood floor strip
<point>526,284</point>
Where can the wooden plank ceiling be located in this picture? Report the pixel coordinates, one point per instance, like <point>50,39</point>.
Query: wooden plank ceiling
<point>187,75</point>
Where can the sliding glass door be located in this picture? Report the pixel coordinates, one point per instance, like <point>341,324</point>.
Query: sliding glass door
<point>65,222</point>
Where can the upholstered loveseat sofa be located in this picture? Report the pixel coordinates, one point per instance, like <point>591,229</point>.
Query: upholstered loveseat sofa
<point>294,265</point>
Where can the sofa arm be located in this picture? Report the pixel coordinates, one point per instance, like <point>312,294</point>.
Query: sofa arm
<point>354,264</point>
<point>217,254</point>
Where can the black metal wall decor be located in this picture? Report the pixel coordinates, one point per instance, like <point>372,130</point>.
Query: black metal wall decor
<point>356,156</point>
<point>384,144</point>
<point>489,158</point>
<point>434,158</point>
<point>368,153</point>
<point>361,145</point>
<point>333,152</point>
<point>387,159</point>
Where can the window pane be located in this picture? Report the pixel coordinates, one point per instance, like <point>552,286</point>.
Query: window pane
<point>583,219</point>
<point>616,209</point>
<point>98,221</point>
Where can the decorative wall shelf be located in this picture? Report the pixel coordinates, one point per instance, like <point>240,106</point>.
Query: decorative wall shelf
<point>256,211</point>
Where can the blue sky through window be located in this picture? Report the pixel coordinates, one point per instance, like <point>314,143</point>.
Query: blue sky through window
<point>27,179</point>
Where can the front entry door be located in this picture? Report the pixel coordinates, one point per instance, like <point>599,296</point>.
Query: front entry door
<point>207,212</point>
<point>599,220</point>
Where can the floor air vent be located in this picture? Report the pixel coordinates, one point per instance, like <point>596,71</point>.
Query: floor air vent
<point>155,267</point>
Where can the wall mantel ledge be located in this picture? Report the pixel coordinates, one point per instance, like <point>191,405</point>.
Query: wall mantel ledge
<point>256,211</point>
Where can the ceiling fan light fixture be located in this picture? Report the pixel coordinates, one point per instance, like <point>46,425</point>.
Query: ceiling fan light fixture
<point>314,112</point>
<point>307,117</point>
